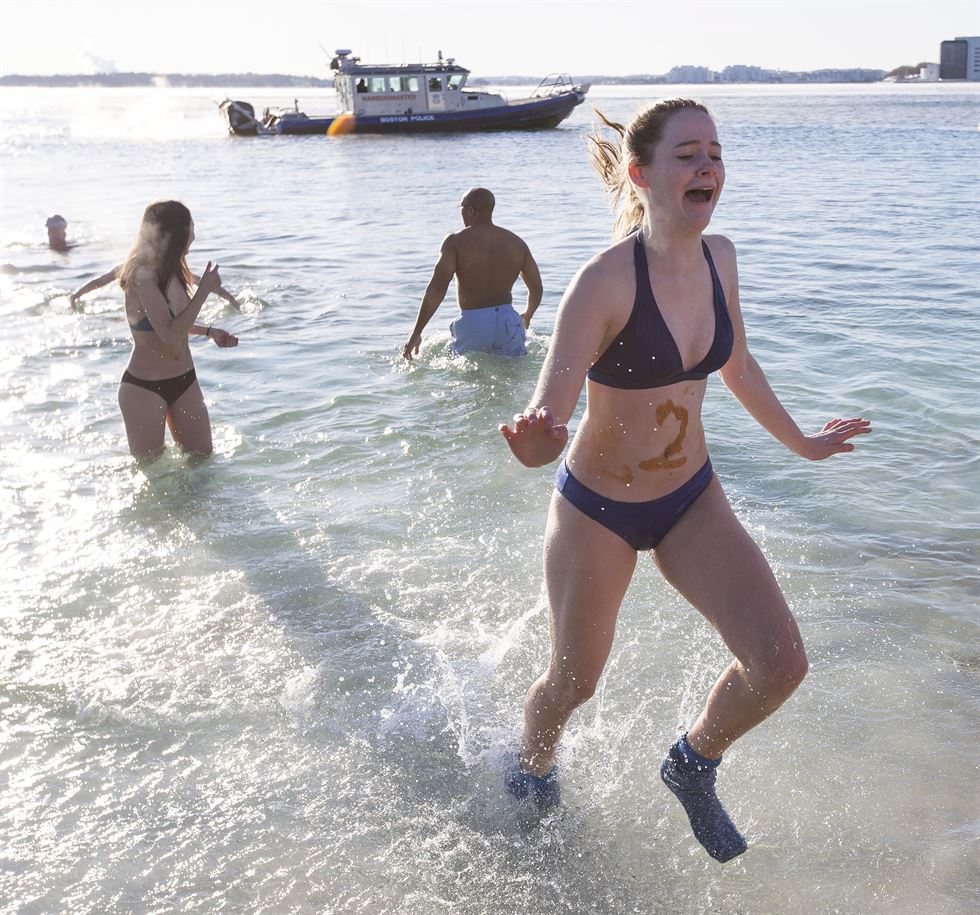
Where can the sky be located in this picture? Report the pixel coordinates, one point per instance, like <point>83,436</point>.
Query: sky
<point>528,37</point>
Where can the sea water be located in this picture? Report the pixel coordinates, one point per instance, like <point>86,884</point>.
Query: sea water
<point>285,680</point>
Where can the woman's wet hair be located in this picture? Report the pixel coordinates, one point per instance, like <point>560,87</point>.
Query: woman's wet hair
<point>636,141</point>
<point>161,245</point>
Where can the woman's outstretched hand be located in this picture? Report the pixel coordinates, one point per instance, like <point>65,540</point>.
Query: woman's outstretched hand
<point>222,337</point>
<point>833,438</point>
<point>537,437</point>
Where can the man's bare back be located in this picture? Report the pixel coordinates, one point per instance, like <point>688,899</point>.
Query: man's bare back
<point>489,260</point>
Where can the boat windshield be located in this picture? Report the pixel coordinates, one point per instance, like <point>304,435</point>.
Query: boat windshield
<point>403,84</point>
<point>455,81</point>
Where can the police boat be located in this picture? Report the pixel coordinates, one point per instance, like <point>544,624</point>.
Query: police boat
<point>411,98</point>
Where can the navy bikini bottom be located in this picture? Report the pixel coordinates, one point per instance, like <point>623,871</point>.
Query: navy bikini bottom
<point>169,389</point>
<point>641,524</point>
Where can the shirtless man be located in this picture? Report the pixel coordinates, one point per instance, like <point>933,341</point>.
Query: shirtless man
<point>486,261</point>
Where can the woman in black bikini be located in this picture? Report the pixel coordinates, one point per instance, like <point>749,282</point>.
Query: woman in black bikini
<point>159,387</point>
<point>646,321</point>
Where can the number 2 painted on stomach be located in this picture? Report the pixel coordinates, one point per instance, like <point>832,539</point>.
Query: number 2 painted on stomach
<point>667,460</point>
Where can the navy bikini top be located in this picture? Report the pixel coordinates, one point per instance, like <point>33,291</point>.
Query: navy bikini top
<point>144,322</point>
<point>644,354</point>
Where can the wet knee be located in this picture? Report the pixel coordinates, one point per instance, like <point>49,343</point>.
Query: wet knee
<point>570,690</point>
<point>779,674</point>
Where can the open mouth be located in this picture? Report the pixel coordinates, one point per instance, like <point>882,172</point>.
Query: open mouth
<point>700,194</point>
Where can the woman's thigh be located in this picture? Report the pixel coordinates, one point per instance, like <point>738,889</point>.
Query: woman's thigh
<point>190,424</point>
<point>587,571</point>
<point>712,561</point>
<point>144,416</point>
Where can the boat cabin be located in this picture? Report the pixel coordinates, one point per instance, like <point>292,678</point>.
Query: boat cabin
<point>400,90</point>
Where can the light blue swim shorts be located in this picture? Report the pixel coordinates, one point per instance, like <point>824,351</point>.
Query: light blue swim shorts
<point>497,329</point>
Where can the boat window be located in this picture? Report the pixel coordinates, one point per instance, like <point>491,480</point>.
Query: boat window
<point>455,81</point>
<point>377,84</point>
<point>403,84</point>
<point>413,84</point>
<point>435,84</point>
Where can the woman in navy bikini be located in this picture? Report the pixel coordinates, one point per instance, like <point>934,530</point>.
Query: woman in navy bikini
<point>646,321</point>
<point>159,386</point>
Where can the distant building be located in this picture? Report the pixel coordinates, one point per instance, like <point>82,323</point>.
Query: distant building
<point>853,75</point>
<point>688,74</point>
<point>960,58</point>
<point>740,73</point>
<point>929,73</point>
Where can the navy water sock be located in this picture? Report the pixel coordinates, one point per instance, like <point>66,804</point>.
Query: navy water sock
<point>694,761</point>
<point>540,792</point>
<point>692,779</point>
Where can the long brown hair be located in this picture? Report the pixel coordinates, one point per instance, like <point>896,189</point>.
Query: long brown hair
<point>161,245</point>
<point>636,141</point>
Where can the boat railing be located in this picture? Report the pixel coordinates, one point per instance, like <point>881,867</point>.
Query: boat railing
<point>553,84</point>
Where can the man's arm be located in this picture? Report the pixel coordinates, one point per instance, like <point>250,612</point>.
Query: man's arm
<point>221,292</point>
<point>532,279</point>
<point>97,283</point>
<point>435,292</point>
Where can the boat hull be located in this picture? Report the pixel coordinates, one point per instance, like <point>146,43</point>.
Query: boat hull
<point>532,114</point>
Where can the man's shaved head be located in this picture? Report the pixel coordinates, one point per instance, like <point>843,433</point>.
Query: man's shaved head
<point>479,198</point>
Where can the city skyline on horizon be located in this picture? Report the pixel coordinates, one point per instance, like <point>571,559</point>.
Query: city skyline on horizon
<point>588,39</point>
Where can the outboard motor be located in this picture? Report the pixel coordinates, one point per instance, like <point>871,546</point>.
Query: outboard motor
<point>241,118</point>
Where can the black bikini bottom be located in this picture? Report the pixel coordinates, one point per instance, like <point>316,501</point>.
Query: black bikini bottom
<point>169,389</point>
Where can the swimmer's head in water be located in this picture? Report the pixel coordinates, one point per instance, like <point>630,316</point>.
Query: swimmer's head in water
<point>164,237</point>
<point>57,227</point>
<point>636,143</point>
<point>476,206</point>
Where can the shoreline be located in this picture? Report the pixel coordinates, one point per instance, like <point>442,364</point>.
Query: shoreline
<point>139,80</point>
